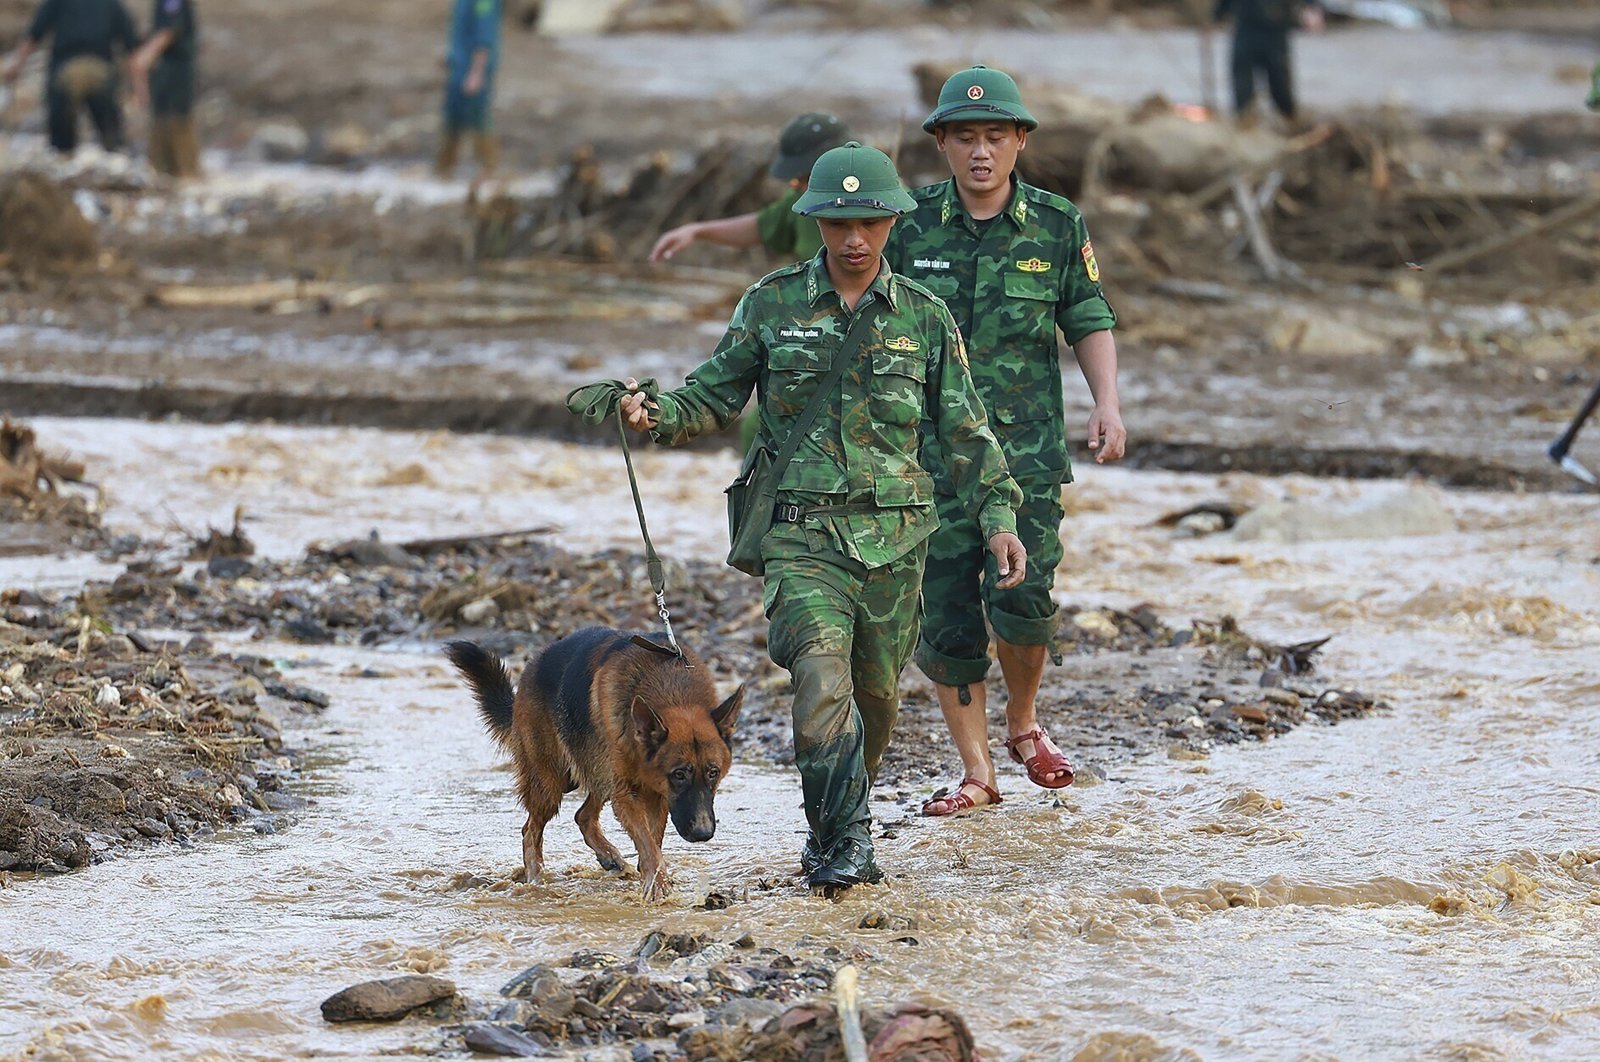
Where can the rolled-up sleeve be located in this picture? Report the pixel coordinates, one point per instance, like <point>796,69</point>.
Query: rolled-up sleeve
<point>1082,307</point>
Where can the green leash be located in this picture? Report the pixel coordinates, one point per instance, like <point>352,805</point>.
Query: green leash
<point>658,571</point>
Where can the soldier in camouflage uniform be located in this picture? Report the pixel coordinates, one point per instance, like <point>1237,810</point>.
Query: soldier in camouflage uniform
<point>775,226</point>
<point>1013,263</point>
<point>845,556</point>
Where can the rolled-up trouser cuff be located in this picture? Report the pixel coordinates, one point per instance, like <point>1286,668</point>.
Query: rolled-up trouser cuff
<point>949,670</point>
<point>1023,630</point>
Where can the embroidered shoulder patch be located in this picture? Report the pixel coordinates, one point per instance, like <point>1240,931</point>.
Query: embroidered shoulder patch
<point>1089,263</point>
<point>1033,265</point>
<point>903,343</point>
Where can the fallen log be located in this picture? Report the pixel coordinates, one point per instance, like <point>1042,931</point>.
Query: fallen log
<point>1224,185</point>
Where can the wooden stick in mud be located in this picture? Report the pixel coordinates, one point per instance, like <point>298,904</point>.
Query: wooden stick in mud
<point>847,999</point>
<point>1260,245</point>
<point>423,546</point>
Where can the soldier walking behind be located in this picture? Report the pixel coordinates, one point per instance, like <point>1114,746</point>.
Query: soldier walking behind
<point>84,35</point>
<point>1261,43</point>
<point>775,226</point>
<point>1013,263</point>
<point>470,67</point>
<point>165,63</point>
<point>844,558</point>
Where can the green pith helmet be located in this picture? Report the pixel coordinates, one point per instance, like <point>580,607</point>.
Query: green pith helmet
<point>803,141</point>
<point>854,182</point>
<point>978,94</point>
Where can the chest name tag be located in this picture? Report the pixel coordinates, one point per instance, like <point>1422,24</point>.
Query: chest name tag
<point>799,333</point>
<point>931,263</point>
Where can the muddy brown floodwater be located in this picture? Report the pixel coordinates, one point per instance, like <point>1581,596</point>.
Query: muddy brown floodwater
<point>1424,883</point>
<point>1420,883</point>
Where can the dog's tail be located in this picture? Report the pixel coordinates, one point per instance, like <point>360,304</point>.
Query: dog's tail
<point>490,681</point>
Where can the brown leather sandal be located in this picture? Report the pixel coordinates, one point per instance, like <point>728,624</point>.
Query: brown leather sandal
<point>957,801</point>
<point>1043,763</point>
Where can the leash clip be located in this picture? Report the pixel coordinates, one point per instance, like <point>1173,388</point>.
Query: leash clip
<point>666,621</point>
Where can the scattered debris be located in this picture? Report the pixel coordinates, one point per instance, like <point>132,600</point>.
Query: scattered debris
<point>36,514</point>
<point>110,740</point>
<point>42,232</point>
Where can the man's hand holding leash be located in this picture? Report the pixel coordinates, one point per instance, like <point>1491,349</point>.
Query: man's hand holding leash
<point>634,409</point>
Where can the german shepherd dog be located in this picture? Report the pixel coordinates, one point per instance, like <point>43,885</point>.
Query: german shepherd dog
<point>622,718</point>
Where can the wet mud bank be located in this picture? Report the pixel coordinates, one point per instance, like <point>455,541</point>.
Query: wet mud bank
<point>111,741</point>
<point>1447,470</point>
<point>551,419</point>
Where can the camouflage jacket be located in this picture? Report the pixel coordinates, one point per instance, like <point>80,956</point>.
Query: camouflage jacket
<point>1010,285</point>
<point>910,374</point>
<point>786,233</point>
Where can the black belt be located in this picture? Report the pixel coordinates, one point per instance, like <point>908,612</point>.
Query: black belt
<point>784,513</point>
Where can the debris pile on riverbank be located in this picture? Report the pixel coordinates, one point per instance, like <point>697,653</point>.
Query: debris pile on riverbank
<point>42,232</point>
<point>36,514</point>
<point>110,741</point>
<point>682,996</point>
<point>1129,684</point>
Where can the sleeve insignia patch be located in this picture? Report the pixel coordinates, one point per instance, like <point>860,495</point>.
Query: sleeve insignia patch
<point>903,344</point>
<point>1035,265</point>
<point>1089,263</point>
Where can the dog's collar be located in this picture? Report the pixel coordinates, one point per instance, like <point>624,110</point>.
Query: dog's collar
<point>655,647</point>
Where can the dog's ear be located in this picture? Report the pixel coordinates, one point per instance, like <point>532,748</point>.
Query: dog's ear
<point>727,713</point>
<point>648,726</point>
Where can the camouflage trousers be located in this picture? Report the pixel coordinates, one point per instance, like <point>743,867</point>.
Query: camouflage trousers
<point>844,633</point>
<point>959,592</point>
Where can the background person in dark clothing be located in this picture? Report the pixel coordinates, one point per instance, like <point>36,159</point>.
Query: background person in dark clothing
<point>166,63</point>
<point>85,35</point>
<point>1261,43</point>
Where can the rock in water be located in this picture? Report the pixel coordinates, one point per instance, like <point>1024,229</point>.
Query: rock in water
<point>1409,511</point>
<point>386,1000</point>
<point>489,1039</point>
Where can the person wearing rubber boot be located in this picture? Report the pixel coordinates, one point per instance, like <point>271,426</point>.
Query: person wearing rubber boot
<point>1014,264</point>
<point>844,559</point>
<point>165,63</point>
<point>470,67</point>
